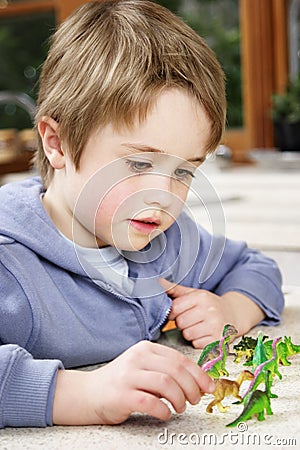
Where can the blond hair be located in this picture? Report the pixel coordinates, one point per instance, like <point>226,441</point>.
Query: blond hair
<point>108,63</point>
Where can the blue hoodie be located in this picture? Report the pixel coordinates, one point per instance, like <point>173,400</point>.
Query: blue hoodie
<point>54,315</point>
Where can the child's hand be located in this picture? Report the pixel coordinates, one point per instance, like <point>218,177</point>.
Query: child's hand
<point>136,381</point>
<point>202,315</point>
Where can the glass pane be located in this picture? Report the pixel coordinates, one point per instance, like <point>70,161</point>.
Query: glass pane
<point>23,48</point>
<point>217,21</point>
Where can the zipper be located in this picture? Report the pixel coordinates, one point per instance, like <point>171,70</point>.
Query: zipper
<point>108,288</point>
<point>164,318</point>
<point>148,334</point>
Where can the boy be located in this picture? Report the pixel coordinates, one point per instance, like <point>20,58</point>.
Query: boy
<point>131,100</point>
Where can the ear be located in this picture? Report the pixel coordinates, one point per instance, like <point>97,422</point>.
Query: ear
<point>49,132</point>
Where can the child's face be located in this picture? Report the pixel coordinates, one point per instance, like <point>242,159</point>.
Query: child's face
<point>131,184</point>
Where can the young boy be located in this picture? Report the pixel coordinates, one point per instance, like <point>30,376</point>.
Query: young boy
<point>97,254</point>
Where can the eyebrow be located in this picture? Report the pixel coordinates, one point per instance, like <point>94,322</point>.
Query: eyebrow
<point>149,149</point>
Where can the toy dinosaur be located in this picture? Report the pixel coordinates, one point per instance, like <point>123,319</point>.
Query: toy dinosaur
<point>245,347</point>
<point>257,404</point>
<point>226,387</point>
<point>285,349</point>
<point>264,373</point>
<point>216,367</point>
<point>264,357</point>
<point>212,351</point>
<point>259,354</point>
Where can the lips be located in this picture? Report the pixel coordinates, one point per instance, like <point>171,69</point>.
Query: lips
<point>145,225</point>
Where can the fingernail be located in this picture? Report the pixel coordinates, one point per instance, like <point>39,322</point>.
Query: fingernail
<point>182,409</point>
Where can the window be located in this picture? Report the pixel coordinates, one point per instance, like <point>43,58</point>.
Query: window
<point>23,48</point>
<point>255,33</point>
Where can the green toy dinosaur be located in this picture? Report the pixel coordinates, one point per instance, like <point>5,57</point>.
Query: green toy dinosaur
<point>216,367</point>
<point>285,349</point>
<point>257,404</point>
<point>212,351</point>
<point>259,354</point>
<point>264,357</point>
<point>265,372</point>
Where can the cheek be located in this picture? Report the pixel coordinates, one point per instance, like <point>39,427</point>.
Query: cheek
<point>114,204</point>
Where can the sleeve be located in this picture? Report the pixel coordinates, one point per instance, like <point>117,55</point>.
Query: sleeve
<point>26,388</point>
<point>221,265</point>
<point>26,385</point>
<point>257,277</point>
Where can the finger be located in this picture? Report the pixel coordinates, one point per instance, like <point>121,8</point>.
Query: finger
<point>192,380</point>
<point>194,332</point>
<point>183,304</point>
<point>189,317</point>
<point>201,342</point>
<point>162,385</point>
<point>173,289</point>
<point>147,403</point>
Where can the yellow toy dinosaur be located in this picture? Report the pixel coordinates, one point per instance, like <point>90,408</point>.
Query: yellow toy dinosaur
<point>226,387</point>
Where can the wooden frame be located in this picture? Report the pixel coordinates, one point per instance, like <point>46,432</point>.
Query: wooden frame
<point>264,70</point>
<point>264,63</point>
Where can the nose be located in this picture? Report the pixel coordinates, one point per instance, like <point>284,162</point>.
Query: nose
<point>158,191</point>
<point>159,197</point>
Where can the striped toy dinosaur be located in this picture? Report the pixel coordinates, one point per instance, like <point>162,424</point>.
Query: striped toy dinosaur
<point>211,351</point>
<point>217,366</point>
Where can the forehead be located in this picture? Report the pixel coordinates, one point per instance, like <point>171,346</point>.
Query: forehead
<point>177,125</point>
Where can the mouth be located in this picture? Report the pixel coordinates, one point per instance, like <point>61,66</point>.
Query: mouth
<point>145,225</point>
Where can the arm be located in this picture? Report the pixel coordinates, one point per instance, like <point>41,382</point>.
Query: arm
<point>136,381</point>
<point>220,265</point>
<point>222,281</point>
<point>26,385</point>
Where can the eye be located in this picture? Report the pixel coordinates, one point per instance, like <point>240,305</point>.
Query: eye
<point>184,174</point>
<point>138,166</point>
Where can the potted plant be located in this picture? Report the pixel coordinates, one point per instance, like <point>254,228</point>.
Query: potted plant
<point>285,114</point>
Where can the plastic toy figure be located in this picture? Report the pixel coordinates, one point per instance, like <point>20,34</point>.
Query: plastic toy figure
<point>257,404</point>
<point>259,355</point>
<point>212,351</point>
<point>216,367</point>
<point>284,349</point>
<point>226,387</point>
<point>245,347</point>
<point>264,357</point>
<point>264,373</point>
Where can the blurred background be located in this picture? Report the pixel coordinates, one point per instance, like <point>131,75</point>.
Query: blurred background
<point>257,43</point>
